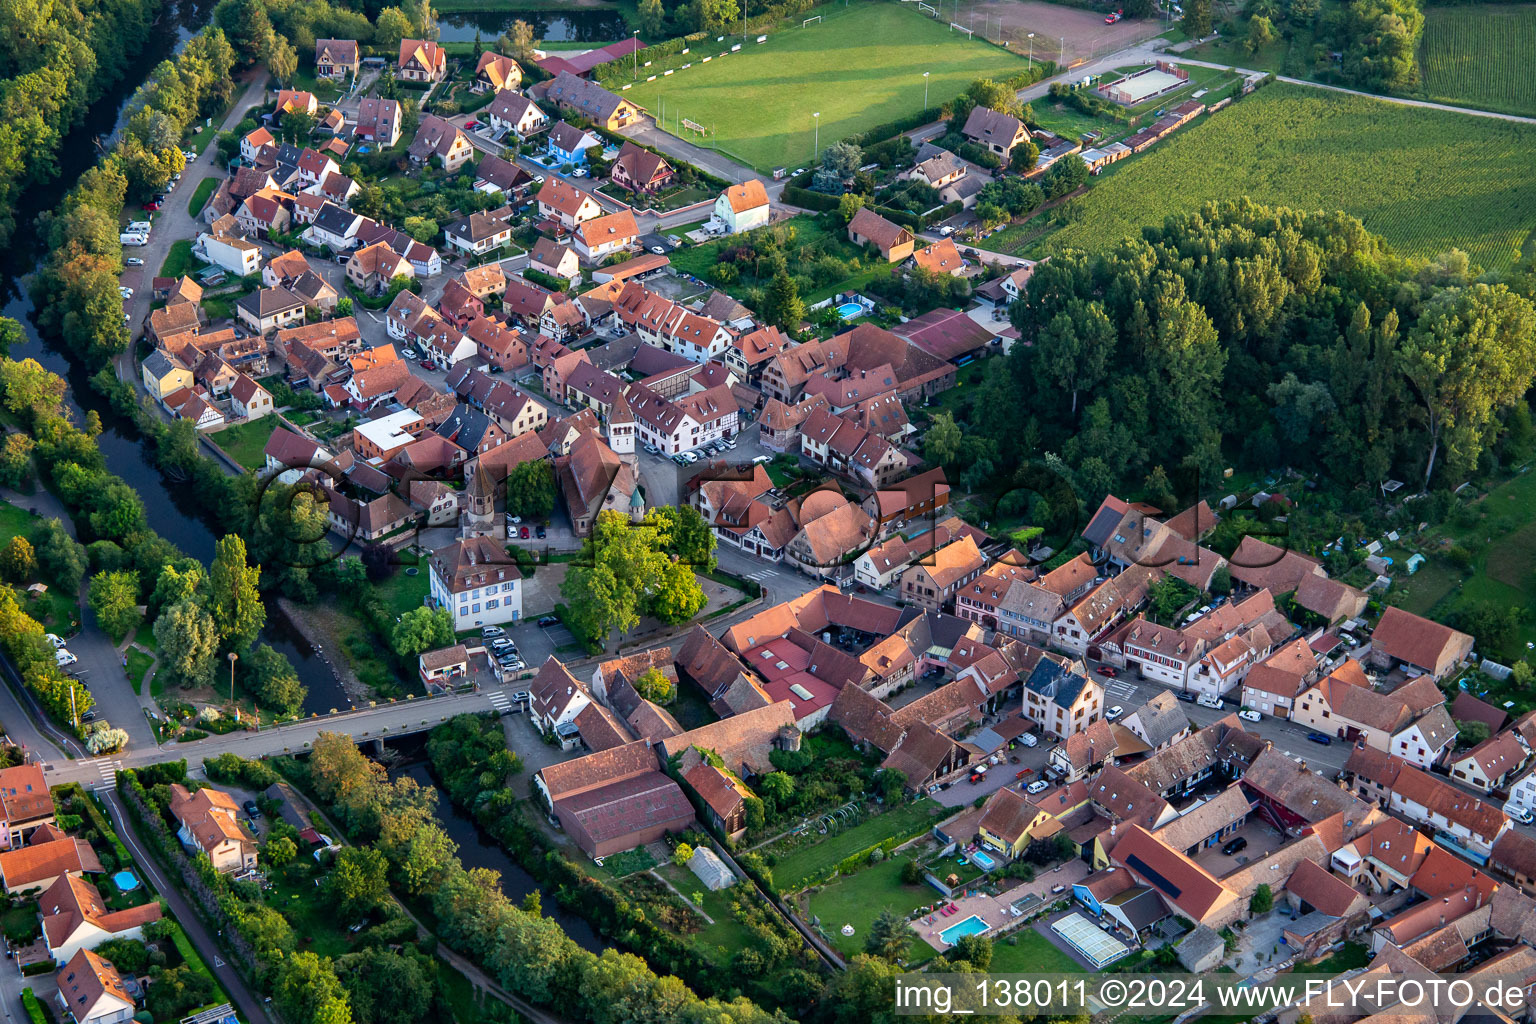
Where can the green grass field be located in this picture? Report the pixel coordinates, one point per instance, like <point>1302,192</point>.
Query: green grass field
<point>906,821</point>
<point>245,442</point>
<point>1426,181</point>
<point>858,899</point>
<point>1026,951</point>
<point>859,67</point>
<point>202,194</point>
<point>1480,57</point>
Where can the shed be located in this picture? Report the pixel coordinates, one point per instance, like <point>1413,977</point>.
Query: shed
<point>712,871</point>
<point>1202,950</point>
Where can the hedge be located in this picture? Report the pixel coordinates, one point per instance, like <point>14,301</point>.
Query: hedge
<point>797,196</point>
<point>33,1007</point>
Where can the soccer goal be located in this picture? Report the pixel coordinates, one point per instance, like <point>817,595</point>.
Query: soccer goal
<point>808,21</point>
<point>927,9</point>
<point>969,34</point>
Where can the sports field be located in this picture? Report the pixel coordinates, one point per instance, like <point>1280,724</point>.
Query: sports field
<point>1480,56</point>
<point>1424,180</point>
<point>859,67</point>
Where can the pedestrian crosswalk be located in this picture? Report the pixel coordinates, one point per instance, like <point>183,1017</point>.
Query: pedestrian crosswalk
<point>500,701</point>
<point>107,768</point>
<point>1120,690</point>
<point>762,575</point>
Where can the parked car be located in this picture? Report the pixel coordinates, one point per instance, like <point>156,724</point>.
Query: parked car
<point>1250,716</point>
<point>492,632</point>
<point>63,657</point>
<point>540,532</point>
<point>133,261</point>
<point>426,364</point>
<point>1320,737</point>
<point>523,533</point>
<point>152,206</point>
<point>1231,846</point>
<point>54,639</point>
<point>1029,739</point>
<point>1519,814</point>
<point>126,293</point>
<point>548,620</point>
<point>1038,786</point>
<point>658,250</point>
<point>1111,19</point>
<point>1114,713</point>
<point>1205,700</point>
<point>251,810</point>
<point>652,450</point>
<point>522,697</point>
<point>1106,670</point>
<point>1185,696</point>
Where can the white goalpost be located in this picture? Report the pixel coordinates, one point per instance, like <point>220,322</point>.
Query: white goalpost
<point>927,9</point>
<point>807,21</point>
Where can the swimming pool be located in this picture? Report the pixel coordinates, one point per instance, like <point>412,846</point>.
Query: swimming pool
<point>972,925</point>
<point>125,881</point>
<point>983,861</point>
<point>849,310</point>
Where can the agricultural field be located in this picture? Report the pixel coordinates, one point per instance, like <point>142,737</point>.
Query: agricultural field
<point>1480,57</point>
<point>857,67</point>
<point>1426,181</point>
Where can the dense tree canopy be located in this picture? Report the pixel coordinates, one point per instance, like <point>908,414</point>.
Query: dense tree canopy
<point>1251,337</point>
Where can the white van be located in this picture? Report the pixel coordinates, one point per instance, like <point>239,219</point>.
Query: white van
<point>132,239</point>
<point>139,227</point>
<point>1029,739</point>
<point>1205,700</point>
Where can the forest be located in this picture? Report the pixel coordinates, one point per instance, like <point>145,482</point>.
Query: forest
<point>1255,339</point>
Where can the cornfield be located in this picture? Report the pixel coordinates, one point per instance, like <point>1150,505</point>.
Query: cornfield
<point>1425,180</point>
<point>1480,57</point>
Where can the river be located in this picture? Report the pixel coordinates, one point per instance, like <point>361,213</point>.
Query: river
<point>478,850</point>
<point>595,25</point>
<point>120,442</point>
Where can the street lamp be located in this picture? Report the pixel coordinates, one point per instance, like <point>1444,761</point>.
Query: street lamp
<point>816,146</point>
<point>233,657</point>
<point>635,55</point>
<point>1031,47</point>
<point>925,90</point>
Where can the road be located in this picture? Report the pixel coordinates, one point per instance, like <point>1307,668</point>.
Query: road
<point>176,222</point>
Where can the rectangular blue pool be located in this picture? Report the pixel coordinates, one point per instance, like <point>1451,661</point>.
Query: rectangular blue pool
<point>972,925</point>
<point>983,861</point>
<point>849,310</point>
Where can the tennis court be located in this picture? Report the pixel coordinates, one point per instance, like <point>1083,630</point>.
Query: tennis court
<point>1090,940</point>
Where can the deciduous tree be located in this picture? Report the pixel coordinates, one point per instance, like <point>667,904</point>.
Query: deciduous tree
<point>115,600</point>
<point>233,599</point>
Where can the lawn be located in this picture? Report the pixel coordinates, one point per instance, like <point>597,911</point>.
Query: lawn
<point>1026,951</point>
<point>138,665</point>
<point>403,591</point>
<point>816,858</point>
<point>1503,569</point>
<point>858,68</point>
<point>202,194</point>
<point>14,522</point>
<point>719,940</point>
<point>1480,56</point>
<point>245,442</point>
<point>859,898</point>
<point>179,260</point>
<point>1406,173</point>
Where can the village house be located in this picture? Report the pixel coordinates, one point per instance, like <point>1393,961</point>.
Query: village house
<point>336,59</point>
<point>1411,721</point>
<point>209,822</point>
<point>566,204</point>
<point>372,268</point>
<point>640,170</point>
<point>936,167</point>
<point>931,582</point>
<point>1273,685</point>
<point>226,248</point>
<point>556,260</point>
<point>90,991</point>
<point>440,138</point>
<point>515,113</point>
<point>477,582</point>
<point>378,121</point>
<point>1491,764</point>
<point>498,176</point>
<point>614,800</point>
<point>269,309</point>
<point>599,238</point>
<point>421,60</point>
<point>1470,822</point>
<point>869,228</point>
<point>1060,699</point>
<point>997,132</point>
<point>248,400</point>
<point>495,73</point>
<point>743,207</point>
<point>591,101</point>
<point>478,234</point>
<point>75,917</point>
<point>1417,645</point>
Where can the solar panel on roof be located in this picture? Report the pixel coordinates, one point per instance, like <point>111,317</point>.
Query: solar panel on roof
<point>1154,876</point>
